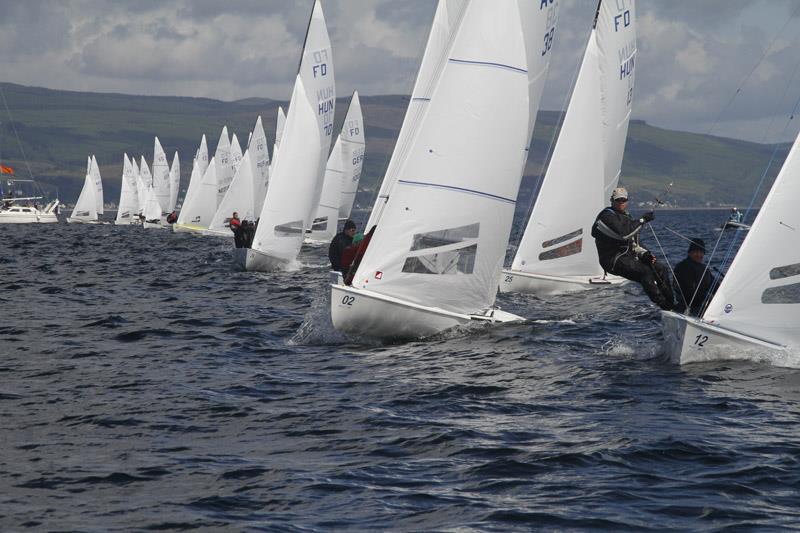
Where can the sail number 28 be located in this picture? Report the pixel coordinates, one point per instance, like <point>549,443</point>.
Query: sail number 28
<point>700,340</point>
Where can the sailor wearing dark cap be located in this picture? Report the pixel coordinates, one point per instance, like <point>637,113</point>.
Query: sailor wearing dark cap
<point>693,279</point>
<point>339,243</point>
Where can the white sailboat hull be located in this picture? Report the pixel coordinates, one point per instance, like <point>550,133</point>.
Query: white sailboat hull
<point>691,340</point>
<point>214,233</point>
<point>27,218</point>
<point>369,314</point>
<point>254,261</point>
<point>545,285</point>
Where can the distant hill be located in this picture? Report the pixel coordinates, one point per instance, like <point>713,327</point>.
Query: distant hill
<point>58,129</point>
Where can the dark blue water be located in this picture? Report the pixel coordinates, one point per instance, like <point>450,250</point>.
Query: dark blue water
<point>146,385</point>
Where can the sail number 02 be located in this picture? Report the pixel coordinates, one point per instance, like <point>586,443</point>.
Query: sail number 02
<point>700,340</point>
<point>348,300</point>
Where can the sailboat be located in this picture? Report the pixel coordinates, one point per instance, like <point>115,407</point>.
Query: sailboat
<point>341,176</point>
<point>86,208</point>
<point>248,188</point>
<point>279,125</point>
<point>159,188</point>
<point>202,196</point>
<point>174,182</point>
<point>756,310</point>
<point>296,177</point>
<point>438,233</point>
<point>128,208</point>
<point>555,254</point>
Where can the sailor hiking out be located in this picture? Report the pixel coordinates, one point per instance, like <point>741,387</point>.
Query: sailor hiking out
<point>616,235</point>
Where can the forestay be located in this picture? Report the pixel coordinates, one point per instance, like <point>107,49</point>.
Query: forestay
<point>343,170</point>
<point>446,20</point>
<point>760,294</point>
<point>296,177</point>
<point>444,230</point>
<point>586,161</point>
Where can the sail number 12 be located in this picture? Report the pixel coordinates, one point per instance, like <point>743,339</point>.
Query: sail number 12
<point>700,340</point>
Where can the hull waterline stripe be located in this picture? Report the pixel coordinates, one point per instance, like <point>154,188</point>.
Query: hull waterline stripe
<point>459,189</point>
<point>488,64</point>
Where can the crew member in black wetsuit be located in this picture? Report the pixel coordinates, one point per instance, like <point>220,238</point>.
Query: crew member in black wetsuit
<point>616,235</point>
<point>694,279</point>
<point>339,243</point>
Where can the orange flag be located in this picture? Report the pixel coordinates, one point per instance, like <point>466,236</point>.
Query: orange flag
<point>6,170</point>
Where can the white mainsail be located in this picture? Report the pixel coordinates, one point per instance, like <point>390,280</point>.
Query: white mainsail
<point>224,171</point>
<point>445,23</point>
<point>296,178</point>
<point>85,209</point>
<point>236,154</point>
<point>199,166</point>
<point>152,207</point>
<point>98,184</point>
<point>174,182</point>
<point>128,196</point>
<point>259,157</point>
<point>249,186</point>
<point>443,231</point>
<point>198,210</point>
<point>146,180</point>
<point>161,181</point>
<point>353,146</point>
<point>587,158</point>
<point>343,170</point>
<point>760,293</point>
<point>281,123</point>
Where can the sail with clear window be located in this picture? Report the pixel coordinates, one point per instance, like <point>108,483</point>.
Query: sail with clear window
<point>295,181</point>
<point>556,248</point>
<point>444,227</point>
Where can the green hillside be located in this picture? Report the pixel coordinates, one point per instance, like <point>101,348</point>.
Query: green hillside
<point>58,129</point>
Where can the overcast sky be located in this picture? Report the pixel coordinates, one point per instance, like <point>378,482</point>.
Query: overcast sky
<point>693,55</point>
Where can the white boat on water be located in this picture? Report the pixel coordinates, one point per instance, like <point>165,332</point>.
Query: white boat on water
<point>128,210</point>
<point>556,253</point>
<point>755,313</point>
<point>248,188</point>
<point>296,178</point>
<point>12,212</point>
<point>89,206</point>
<point>439,230</point>
<point>200,202</point>
<point>342,174</point>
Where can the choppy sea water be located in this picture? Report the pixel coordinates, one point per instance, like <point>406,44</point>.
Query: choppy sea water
<point>146,385</point>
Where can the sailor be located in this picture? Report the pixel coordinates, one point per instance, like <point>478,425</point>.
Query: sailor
<point>616,235</point>
<point>694,279</point>
<point>339,243</point>
<point>172,218</point>
<point>234,223</point>
<point>736,215</point>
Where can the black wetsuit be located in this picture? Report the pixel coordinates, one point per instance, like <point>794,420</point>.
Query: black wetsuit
<point>616,235</point>
<point>338,244</point>
<point>693,279</point>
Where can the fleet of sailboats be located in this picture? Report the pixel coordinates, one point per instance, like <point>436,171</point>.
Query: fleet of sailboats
<point>434,244</point>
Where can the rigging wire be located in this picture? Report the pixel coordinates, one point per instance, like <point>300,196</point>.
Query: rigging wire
<point>16,134</point>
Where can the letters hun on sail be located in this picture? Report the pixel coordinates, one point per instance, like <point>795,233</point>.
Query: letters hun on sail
<point>587,158</point>
<point>296,177</point>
